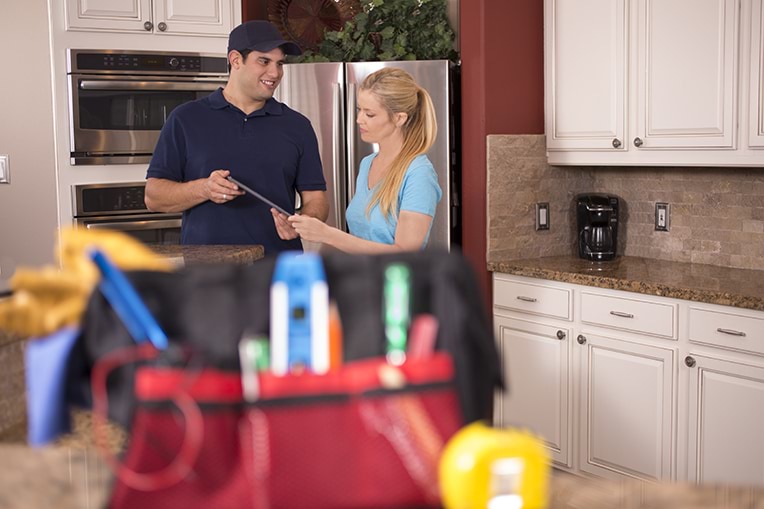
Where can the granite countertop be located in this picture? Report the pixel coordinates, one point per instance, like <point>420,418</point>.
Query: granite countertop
<point>701,283</point>
<point>37,478</point>
<point>240,254</point>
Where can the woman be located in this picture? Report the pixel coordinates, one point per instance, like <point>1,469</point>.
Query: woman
<point>397,188</point>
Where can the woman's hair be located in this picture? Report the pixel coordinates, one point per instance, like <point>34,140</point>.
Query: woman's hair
<point>397,92</point>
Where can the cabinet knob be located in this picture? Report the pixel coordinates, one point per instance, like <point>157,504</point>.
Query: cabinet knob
<point>581,339</point>
<point>162,26</point>
<point>616,143</point>
<point>560,334</point>
<point>638,141</point>
<point>689,362</point>
<point>148,26</point>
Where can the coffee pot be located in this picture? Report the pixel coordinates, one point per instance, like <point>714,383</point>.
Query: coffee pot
<point>597,220</point>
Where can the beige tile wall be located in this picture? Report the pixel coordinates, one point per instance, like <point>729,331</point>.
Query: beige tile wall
<point>717,214</point>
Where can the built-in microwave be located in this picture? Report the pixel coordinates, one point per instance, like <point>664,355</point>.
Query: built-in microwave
<point>119,100</point>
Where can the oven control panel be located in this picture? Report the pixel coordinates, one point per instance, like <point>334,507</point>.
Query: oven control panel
<point>100,199</point>
<point>143,62</point>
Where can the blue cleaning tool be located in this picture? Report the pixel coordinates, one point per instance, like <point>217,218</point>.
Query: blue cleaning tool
<point>127,303</point>
<point>299,314</point>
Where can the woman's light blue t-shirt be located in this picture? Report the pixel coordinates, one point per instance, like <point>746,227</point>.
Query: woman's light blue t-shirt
<point>419,192</point>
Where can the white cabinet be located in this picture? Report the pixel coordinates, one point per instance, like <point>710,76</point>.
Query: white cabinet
<point>646,82</point>
<point>536,360</point>
<point>755,126</point>
<point>625,385</point>
<point>175,17</point>
<point>726,411</point>
<point>626,409</point>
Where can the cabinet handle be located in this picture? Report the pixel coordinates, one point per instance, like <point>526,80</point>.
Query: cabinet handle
<point>689,362</point>
<point>581,339</point>
<point>638,141</point>
<point>162,26</point>
<point>560,335</point>
<point>616,143</point>
<point>621,314</point>
<point>526,299</point>
<point>148,26</point>
<point>731,332</point>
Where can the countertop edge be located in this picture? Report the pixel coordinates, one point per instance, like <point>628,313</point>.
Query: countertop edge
<point>517,268</point>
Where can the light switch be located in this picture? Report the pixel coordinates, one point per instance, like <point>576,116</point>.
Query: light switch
<point>542,216</point>
<point>5,169</point>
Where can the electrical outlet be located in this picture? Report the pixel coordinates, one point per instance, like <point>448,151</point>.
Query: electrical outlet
<point>542,216</point>
<point>5,169</point>
<point>662,217</point>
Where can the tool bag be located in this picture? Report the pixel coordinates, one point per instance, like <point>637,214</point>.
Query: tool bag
<point>355,437</point>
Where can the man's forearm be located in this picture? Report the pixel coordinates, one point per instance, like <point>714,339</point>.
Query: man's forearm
<point>168,196</point>
<point>315,204</point>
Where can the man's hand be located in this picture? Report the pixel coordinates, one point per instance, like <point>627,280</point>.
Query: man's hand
<point>218,189</point>
<point>283,228</point>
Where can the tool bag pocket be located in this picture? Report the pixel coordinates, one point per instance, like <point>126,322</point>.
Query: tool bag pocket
<point>368,435</point>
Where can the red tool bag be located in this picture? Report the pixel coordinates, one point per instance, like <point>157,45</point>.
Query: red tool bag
<point>368,435</point>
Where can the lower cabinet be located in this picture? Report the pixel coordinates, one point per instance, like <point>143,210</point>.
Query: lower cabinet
<point>726,413</point>
<point>537,359</point>
<point>625,385</point>
<point>627,405</point>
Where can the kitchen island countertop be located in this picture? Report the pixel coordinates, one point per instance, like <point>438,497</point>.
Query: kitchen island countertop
<point>187,255</point>
<point>710,284</point>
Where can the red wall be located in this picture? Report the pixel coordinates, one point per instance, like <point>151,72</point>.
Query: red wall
<point>501,43</point>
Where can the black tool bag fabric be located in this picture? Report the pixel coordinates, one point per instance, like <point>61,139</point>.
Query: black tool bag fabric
<point>207,309</point>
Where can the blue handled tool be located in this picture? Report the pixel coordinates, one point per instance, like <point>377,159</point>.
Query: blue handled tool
<point>127,303</point>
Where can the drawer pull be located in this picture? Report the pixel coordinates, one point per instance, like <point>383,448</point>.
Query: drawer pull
<point>622,315</point>
<point>731,332</point>
<point>526,299</point>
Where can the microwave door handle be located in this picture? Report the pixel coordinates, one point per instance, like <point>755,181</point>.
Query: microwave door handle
<point>193,86</point>
<point>136,225</point>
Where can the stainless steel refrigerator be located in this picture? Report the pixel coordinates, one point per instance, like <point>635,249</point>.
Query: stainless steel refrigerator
<point>326,94</point>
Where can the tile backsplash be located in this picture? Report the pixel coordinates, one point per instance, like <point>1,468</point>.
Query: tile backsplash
<point>716,214</point>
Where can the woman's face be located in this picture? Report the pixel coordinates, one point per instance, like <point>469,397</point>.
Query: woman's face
<point>373,120</point>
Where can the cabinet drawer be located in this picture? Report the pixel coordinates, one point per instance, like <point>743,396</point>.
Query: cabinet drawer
<point>735,331</point>
<point>532,298</point>
<point>641,316</point>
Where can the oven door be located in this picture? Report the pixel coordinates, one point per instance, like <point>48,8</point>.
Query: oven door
<point>151,229</point>
<point>117,119</point>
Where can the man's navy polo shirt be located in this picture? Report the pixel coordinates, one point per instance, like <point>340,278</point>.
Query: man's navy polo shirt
<point>272,150</point>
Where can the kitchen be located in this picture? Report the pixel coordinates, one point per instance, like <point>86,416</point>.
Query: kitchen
<point>501,46</point>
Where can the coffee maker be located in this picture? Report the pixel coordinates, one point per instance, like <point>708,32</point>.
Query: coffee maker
<point>597,217</point>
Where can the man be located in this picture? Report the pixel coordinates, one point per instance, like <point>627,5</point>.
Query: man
<point>241,131</point>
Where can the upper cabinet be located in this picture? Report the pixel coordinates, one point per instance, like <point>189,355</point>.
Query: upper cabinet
<point>654,82</point>
<point>174,17</point>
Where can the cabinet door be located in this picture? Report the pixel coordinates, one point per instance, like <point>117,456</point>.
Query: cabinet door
<point>535,360</point>
<point>627,409</point>
<point>686,73</point>
<point>108,15</point>
<point>726,411</point>
<point>193,17</point>
<point>585,67</point>
<point>756,94</point>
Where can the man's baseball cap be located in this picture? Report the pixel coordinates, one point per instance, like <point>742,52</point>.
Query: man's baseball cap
<point>262,36</point>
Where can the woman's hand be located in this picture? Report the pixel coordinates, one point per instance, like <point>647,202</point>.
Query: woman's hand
<point>310,228</point>
<point>283,228</point>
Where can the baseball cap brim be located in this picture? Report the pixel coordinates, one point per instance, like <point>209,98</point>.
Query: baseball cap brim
<point>287,47</point>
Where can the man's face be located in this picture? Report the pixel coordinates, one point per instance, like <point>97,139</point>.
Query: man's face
<point>260,74</point>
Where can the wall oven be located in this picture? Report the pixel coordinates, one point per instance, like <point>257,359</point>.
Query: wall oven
<point>121,207</point>
<point>119,100</point>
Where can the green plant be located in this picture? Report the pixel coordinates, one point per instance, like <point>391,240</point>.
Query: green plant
<point>389,30</point>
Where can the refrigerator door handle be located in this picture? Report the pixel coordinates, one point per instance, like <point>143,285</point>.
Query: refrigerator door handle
<point>338,169</point>
<point>351,136</point>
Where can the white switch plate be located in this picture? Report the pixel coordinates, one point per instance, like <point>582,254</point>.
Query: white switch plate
<point>662,217</point>
<point>5,169</point>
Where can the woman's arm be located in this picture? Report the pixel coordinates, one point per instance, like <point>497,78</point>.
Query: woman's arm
<point>409,235</point>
